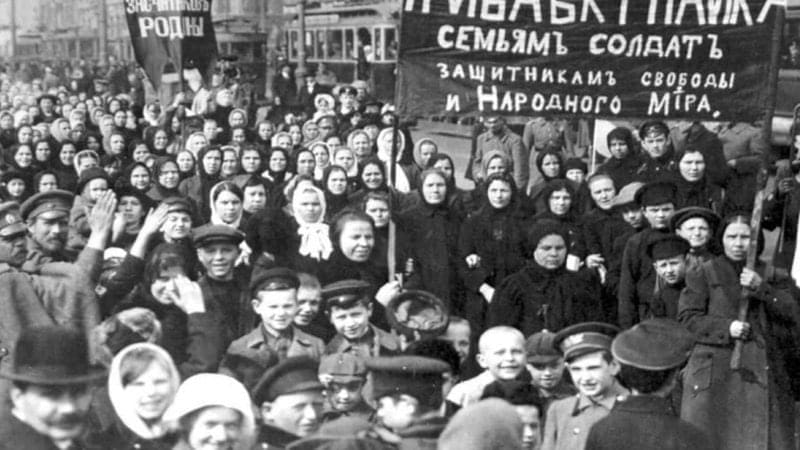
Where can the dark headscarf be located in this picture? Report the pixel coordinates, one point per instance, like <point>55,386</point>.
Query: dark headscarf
<point>334,202</point>
<point>278,177</point>
<point>540,160</point>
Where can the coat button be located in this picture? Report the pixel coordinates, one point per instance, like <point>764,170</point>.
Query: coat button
<point>576,430</point>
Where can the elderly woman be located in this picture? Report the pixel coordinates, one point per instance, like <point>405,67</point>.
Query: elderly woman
<point>750,407</point>
<point>213,411</point>
<point>142,383</point>
<point>544,294</point>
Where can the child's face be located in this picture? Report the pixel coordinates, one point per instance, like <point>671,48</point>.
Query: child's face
<point>575,175</point>
<point>504,357</point>
<point>547,375</point>
<point>395,414</point>
<point>351,323</point>
<point>458,335</point>
<point>592,374</point>
<point>276,308</point>
<point>308,302</point>
<point>344,396</point>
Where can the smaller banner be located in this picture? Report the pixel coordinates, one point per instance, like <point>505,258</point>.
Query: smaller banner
<point>177,31</point>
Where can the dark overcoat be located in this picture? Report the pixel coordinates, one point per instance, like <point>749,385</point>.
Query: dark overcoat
<point>751,408</point>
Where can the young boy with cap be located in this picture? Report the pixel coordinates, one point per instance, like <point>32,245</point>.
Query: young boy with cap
<point>546,366</point>
<point>343,376</point>
<point>528,404</point>
<point>637,276</point>
<point>274,293</point>
<point>289,399</point>
<point>658,151</point>
<point>408,390</point>
<point>650,355</point>
<point>501,353</point>
<point>668,254</point>
<point>92,184</point>
<point>349,307</point>
<point>586,348</point>
<point>309,304</point>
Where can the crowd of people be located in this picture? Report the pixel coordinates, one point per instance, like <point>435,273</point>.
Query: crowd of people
<point>198,275</point>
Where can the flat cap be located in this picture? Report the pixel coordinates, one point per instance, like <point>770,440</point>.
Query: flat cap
<point>416,376</point>
<point>627,195</point>
<point>654,344</point>
<point>417,311</point>
<point>130,191</point>
<point>178,204</point>
<point>580,339</point>
<point>667,246</point>
<point>292,375</point>
<point>656,193</point>
<point>273,279</point>
<point>691,212</point>
<point>212,234</point>
<point>57,201</point>
<point>87,175</point>
<point>540,349</point>
<point>11,223</point>
<point>516,392</point>
<point>342,367</point>
<point>100,81</point>
<point>653,127</point>
<point>50,97</point>
<point>345,293</point>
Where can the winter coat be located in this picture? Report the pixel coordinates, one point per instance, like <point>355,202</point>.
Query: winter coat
<point>623,171</point>
<point>637,278</point>
<point>699,193</point>
<point>750,408</point>
<point>536,298</point>
<point>434,249</point>
<point>646,422</point>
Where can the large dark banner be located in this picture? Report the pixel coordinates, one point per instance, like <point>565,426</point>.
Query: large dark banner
<point>177,31</point>
<point>700,59</point>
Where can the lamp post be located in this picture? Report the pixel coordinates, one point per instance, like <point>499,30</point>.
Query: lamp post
<point>13,16</point>
<point>103,31</point>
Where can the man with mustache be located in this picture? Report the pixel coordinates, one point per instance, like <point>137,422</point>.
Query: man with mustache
<point>50,393</point>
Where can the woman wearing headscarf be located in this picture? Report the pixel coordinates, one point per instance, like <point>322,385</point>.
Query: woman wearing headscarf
<point>491,246</point>
<point>334,184</point>
<point>157,140</point>
<point>215,399</point>
<point>346,158</point>
<point>550,164</point>
<point>751,406</point>
<point>372,178</point>
<point>434,247</point>
<point>625,158</point>
<point>322,159</point>
<point>142,383</point>
<point>59,131</point>
<point>165,179</point>
<point>459,199</point>
<point>544,294</point>
<point>8,135</point>
<point>198,186</point>
<point>64,165</point>
<point>694,187</point>
<point>225,202</point>
<point>558,197</point>
<point>277,172</point>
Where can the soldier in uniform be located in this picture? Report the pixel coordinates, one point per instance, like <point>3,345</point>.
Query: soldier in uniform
<point>289,398</point>
<point>650,355</point>
<point>586,348</point>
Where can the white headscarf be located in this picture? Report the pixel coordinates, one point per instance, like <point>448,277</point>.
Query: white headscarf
<point>315,240</point>
<point>401,181</point>
<point>216,219</point>
<point>116,391</point>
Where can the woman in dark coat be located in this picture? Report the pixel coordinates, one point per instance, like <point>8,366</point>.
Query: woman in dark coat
<point>433,227</point>
<point>372,178</point>
<point>694,188</point>
<point>195,341</point>
<point>166,177</point>
<point>550,164</point>
<point>625,158</point>
<point>197,187</point>
<point>751,407</point>
<point>544,294</point>
<point>334,184</point>
<point>458,199</point>
<point>491,246</point>
<point>558,197</point>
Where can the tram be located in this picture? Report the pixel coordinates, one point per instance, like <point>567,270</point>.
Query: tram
<point>355,39</point>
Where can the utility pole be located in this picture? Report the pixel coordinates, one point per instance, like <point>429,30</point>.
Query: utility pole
<point>13,16</point>
<point>301,42</point>
<point>103,31</point>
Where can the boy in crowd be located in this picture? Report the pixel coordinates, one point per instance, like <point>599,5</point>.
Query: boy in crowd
<point>527,403</point>
<point>309,302</point>
<point>343,376</point>
<point>650,355</point>
<point>586,349</point>
<point>546,366</point>
<point>348,307</point>
<point>275,301</point>
<point>459,335</point>
<point>408,390</point>
<point>501,353</point>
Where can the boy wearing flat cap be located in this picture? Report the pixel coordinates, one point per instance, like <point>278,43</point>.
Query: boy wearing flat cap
<point>668,254</point>
<point>344,376</point>
<point>637,276</point>
<point>650,355</point>
<point>658,152</point>
<point>289,398</point>
<point>274,300</point>
<point>587,351</point>
<point>348,307</point>
<point>408,390</point>
<point>546,366</point>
